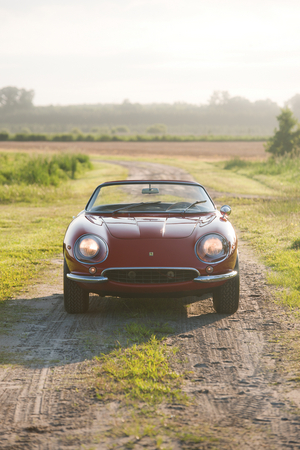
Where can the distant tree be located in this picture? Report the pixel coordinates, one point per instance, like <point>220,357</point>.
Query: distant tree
<point>157,128</point>
<point>286,139</point>
<point>104,129</point>
<point>76,131</point>
<point>13,98</point>
<point>120,129</point>
<point>95,130</point>
<point>219,98</point>
<point>4,135</point>
<point>294,104</point>
<point>26,98</point>
<point>25,130</point>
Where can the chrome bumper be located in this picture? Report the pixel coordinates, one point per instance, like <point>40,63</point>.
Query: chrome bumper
<point>86,279</point>
<point>200,279</point>
<point>214,278</point>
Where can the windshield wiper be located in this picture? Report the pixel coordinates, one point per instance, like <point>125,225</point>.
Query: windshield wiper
<point>193,204</point>
<point>134,205</point>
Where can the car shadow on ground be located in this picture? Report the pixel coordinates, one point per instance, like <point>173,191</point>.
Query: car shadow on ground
<point>39,332</point>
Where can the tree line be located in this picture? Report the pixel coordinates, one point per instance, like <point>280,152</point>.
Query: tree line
<point>223,114</point>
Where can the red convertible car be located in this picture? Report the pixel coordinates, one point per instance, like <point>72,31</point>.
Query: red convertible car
<point>151,239</point>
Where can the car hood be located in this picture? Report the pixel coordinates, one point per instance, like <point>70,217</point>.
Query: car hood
<point>152,227</point>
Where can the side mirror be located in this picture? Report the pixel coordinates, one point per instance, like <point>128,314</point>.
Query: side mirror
<point>226,211</point>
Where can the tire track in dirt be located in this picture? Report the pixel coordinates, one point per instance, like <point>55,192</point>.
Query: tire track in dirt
<point>232,363</point>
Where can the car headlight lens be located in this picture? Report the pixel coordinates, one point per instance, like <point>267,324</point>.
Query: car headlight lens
<point>90,249</point>
<point>212,248</point>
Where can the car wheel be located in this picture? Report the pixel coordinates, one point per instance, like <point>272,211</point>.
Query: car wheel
<point>226,297</point>
<point>76,300</point>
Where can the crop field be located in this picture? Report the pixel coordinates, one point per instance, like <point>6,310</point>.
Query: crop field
<point>203,150</point>
<point>164,374</point>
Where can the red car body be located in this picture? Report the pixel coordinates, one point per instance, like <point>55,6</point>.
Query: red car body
<point>159,247</point>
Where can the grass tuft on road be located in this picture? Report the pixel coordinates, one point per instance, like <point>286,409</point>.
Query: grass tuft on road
<point>141,372</point>
<point>138,332</point>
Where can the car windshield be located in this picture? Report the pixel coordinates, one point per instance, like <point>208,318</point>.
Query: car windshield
<point>154,197</point>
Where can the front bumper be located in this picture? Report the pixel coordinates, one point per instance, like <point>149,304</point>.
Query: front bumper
<point>90,279</point>
<point>215,278</point>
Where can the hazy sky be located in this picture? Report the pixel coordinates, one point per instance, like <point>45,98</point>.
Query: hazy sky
<point>96,51</point>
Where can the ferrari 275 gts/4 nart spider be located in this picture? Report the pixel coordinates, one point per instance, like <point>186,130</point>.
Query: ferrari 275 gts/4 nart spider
<point>151,239</point>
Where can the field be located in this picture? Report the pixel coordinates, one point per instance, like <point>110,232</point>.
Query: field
<point>166,374</point>
<point>203,150</point>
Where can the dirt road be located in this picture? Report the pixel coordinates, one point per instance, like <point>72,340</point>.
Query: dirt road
<point>233,365</point>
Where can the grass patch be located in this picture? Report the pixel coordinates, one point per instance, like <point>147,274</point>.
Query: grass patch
<point>21,168</point>
<point>280,174</point>
<point>270,225</point>
<point>141,372</point>
<point>138,332</point>
<point>273,227</point>
<point>33,233</point>
<point>211,174</point>
<point>26,178</point>
<point>161,431</point>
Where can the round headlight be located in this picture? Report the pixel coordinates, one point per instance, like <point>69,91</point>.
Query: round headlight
<point>212,248</point>
<point>90,249</point>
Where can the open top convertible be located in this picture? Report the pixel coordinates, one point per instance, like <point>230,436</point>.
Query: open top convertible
<point>151,239</point>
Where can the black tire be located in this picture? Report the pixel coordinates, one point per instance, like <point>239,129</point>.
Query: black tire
<point>76,300</point>
<point>226,297</point>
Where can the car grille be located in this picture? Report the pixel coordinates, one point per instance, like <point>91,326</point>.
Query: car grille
<point>150,276</point>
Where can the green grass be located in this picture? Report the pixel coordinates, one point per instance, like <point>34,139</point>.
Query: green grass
<point>30,234</point>
<point>21,168</point>
<point>138,332</point>
<point>141,372</point>
<point>212,175</point>
<point>273,229</point>
<point>139,368</point>
<point>281,174</point>
<point>27,178</point>
<point>271,222</point>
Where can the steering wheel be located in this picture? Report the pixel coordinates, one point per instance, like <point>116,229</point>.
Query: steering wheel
<point>178,205</point>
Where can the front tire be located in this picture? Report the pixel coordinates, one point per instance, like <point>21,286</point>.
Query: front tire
<point>226,297</point>
<point>76,300</point>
